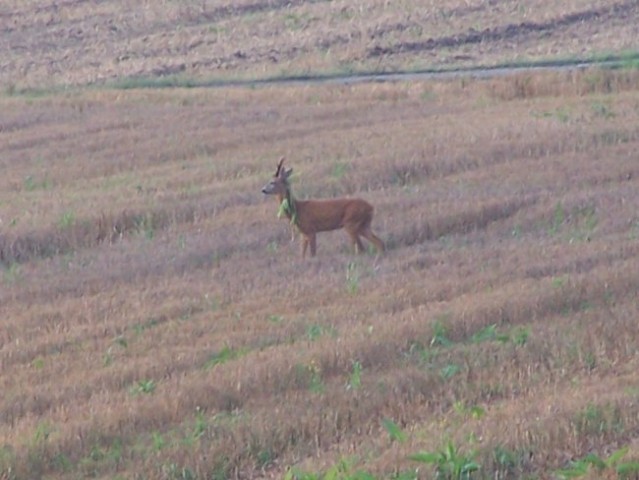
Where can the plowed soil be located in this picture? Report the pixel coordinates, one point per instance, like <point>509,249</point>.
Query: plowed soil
<point>47,43</point>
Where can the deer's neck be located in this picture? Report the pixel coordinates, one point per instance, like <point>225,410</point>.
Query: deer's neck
<point>288,206</point>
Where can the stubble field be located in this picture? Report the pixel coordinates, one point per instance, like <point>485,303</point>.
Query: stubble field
<point>157,321</point>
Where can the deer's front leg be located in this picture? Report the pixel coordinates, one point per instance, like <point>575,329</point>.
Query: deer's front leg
<point>304,245</point>
<point>313,243</point>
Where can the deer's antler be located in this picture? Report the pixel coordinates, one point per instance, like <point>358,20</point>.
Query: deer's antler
<point>279,167</point>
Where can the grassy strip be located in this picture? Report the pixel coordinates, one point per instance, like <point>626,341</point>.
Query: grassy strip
<point>621,60</point>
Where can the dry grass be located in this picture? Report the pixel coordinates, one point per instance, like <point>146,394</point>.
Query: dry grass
<point>49,42</point>
<point>157,322</point>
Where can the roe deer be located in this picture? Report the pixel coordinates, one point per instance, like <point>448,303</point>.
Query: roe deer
<point>311,216</point>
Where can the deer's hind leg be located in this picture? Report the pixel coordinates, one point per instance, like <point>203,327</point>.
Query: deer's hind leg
<point>374,239</point>
<point>312,239</point>
<point>357,242</point>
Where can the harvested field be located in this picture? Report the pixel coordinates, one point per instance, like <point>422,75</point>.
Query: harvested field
<point>157,322</point>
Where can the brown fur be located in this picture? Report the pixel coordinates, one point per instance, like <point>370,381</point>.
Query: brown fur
<point>312,216</point>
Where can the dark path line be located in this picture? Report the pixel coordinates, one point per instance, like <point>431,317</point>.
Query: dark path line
<point>609,62</point>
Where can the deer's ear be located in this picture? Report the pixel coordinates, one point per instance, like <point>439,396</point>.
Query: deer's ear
<point>287,172</point>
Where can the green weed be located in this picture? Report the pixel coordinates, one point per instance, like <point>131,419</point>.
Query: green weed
<point>107,358</point>
<point>424,355</point>
<point>309,376</point>
<point>508,462</point>
<point>612,137</point>
<point>221,469</point>
<point>355,378</point>
<point>449,371</point>
<point>486,334</point>
<point>100,457</point>
<point>30,183</point>
<point>145,225</point>
<point>632,391</point>
<point>8,461</point>
<point>559,282</point>
<point>562,114</point>
<point>11,273</point>
<point>151,322</point>
<point>294,21</point>
<point>558,219</point>
<point>449,462</point>
<point>598,420</point>
<point>181,241</point>
<point>342,470</point>
<point>263,457</point>
<point>201,424</point>
<point>629,60</point>
<point>42,433</point>
<point>339,169</point>
<point>352,278</point>
<point>119,341</point>
<point>600,109</point>
<point>440,333</point>
<point>475,412</point>
<point>520,336</point>
<point>582,220</point>
<point>277,319</point>
<point>173,471</point>
<point>516,231</point>
<point>37,446</point>
<point>315,331</point>
<point>38,363</point>
<point>427,95</point>
<point>589,360</point>
<point>67,220</point>
<point>395,433</point>
<point>602,466</point>
<point>211,303</point>
<point>158,441</point>
<point>224,355</point>
<point>61,463</point>
<point>316,385</point>
<point>143,387</point>
<point>585,221</point>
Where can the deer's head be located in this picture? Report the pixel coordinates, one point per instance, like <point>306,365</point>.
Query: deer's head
<point>279,183</point>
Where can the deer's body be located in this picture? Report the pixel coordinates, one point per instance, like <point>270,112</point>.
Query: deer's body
<point>312,216</point>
